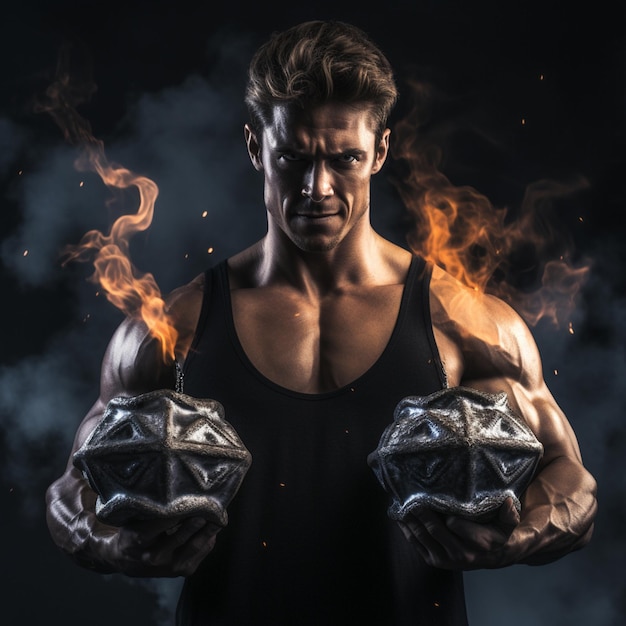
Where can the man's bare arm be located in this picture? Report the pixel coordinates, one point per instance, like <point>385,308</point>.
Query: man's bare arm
<point>560,504</point>
<point>485,345</point>
<point>132,365</point>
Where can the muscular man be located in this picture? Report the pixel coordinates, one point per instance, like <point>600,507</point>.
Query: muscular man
<point>309,339</point>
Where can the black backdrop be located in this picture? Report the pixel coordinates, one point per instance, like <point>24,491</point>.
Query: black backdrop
<point>168,104</point>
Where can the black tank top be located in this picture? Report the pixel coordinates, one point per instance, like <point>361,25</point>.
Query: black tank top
<point>309,542</point>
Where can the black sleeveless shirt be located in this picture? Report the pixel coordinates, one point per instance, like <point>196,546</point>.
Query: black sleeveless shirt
<point>309,542</point>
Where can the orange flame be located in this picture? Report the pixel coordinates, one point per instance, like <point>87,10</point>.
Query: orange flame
<point>458,228</point>
<point>136,294</point>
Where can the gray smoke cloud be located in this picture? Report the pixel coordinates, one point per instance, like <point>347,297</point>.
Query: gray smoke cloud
<point>189,140</point>
<point>586,376</point>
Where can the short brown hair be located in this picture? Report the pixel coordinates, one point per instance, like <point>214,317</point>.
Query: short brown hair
<point>316,62</point>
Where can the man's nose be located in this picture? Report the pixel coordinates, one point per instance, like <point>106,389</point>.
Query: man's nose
<point>318,183</point>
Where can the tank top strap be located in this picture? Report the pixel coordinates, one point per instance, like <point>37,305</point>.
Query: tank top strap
<point>415,310</point>
<point>211,277</point>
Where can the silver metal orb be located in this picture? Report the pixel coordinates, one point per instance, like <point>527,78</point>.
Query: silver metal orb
<point>457,451</point>
<point>163,454</point>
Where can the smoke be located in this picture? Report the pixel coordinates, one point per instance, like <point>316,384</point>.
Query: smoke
<point>585,372</point>
<point>11,141</point>
<point>188,138</point>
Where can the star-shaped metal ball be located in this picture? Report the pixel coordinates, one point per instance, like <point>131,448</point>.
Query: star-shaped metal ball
<point>457,451</point>
<point>163,454</point>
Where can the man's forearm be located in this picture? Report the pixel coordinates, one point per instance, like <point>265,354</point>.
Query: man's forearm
<point>73,524</point>
<point>557,514</point>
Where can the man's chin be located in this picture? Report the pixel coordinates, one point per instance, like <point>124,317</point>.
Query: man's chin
<point>316,244</point>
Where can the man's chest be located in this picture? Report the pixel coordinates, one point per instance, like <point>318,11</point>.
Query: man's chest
<point>315,345</point>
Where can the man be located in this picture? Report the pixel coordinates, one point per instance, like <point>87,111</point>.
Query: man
<point>309,339</point>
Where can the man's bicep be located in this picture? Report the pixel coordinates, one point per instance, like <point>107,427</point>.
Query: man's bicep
<point>132,364</point>
<point>530,398</point>
<point>517,369</point>
<point>486,345</point>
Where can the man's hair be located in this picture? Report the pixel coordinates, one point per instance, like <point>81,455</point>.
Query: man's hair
<point>317,62</point>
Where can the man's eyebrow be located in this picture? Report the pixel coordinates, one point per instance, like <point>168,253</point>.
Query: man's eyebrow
<point>354,151</point>
<point>295,150</point>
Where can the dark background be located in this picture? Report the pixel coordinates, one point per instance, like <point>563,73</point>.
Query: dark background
<point>169,83</point>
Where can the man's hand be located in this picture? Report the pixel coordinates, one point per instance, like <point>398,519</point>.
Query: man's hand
<point>164,548</point>
<point>451,542</point>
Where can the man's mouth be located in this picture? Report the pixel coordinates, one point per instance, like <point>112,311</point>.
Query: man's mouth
<point>316,216</point>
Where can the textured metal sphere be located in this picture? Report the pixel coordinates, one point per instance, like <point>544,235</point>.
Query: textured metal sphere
<point>163,454</point>
<point>457,451</point>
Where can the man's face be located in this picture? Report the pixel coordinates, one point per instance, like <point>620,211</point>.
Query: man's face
<point>317,165</point>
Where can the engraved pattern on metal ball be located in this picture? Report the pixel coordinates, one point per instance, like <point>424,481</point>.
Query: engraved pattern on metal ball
<point>457,451</point>
<point>163,454</point>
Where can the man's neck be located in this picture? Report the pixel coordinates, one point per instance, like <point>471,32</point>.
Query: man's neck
<point>372,260</point>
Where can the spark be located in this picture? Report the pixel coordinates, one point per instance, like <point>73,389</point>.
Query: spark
<point>210,250</point>
<point>205,213</point>
<point>25,253</point>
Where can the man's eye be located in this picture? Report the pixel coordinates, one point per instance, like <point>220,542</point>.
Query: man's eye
<point>347,158</point>
<point>289,156</point>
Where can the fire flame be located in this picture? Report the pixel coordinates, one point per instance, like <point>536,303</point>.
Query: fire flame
<point>459,229</point>
<point>135,293</point>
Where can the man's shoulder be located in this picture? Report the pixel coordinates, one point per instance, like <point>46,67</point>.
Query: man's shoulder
<point>471,314</point>
<point>460,299</point>
<point>185,290</point>
<point>485,328</point>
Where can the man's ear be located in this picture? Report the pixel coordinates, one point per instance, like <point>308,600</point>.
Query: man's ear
<point>254,148</point>
<point>382,150</point>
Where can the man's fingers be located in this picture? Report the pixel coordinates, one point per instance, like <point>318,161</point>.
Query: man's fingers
<point>437,545</point>
<point>189,556</point>
<point>170,547</point>
<point>508,515</point>
<point>490,535</point>
<point>453,542</point>
<point>147,531</point>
